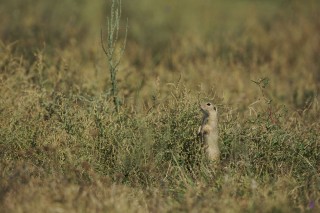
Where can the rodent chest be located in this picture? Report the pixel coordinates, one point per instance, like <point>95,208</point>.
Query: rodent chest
<point>206,129</point>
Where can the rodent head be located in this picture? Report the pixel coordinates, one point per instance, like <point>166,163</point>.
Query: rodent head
<point>208,108</point>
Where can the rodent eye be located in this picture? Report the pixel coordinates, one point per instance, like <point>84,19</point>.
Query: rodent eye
<point>208,104</point>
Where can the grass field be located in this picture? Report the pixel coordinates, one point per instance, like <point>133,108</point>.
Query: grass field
<point>65,148</point>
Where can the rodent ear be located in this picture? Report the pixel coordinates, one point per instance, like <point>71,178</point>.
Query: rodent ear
<point>215,108</point>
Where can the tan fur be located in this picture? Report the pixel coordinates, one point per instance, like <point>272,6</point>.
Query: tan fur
<point>208,130</point>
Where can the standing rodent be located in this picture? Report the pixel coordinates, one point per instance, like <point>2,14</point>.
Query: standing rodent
<point>208,130</point>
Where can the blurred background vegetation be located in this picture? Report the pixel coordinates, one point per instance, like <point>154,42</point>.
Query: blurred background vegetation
<point>274,38</point>
<point>62,143</point>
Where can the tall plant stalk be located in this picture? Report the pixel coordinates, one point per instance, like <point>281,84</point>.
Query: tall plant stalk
<point>113,51</point>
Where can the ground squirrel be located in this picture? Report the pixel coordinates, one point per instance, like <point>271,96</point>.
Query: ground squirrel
<point>208,131</point>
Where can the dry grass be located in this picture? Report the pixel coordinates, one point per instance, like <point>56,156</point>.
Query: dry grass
<point>65,149</point>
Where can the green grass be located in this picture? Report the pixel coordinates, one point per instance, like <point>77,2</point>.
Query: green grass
<point>64,148</point>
